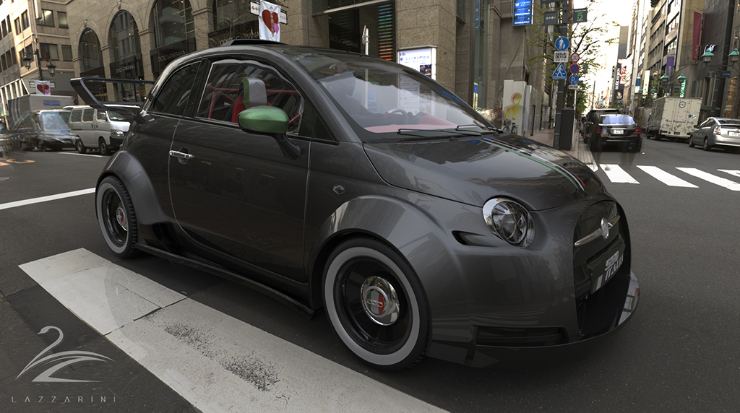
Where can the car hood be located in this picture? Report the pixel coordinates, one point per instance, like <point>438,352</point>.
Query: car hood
<point>472,170</point>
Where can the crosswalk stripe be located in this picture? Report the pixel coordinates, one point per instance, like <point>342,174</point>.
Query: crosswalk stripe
<point>733,172</point>
<point>665,177</point>
<point>47,198</point>
<point>617,175</point>
<point>726,183</point>
<point>216,362</point>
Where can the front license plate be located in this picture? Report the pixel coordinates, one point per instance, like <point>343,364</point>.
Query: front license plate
<point>604,267</point>
<point>617,131</point>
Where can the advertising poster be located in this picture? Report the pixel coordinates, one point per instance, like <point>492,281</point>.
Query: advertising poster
<point>513,103</point>
<point>269,21</point>
<point>423,60</point>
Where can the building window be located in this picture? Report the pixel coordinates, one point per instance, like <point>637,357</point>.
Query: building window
<point>4,28</point>
<point>66,53</point>
<point>28,51</point>
<point>232,20</point>
<point>173,32</point>
<point>46,18</point>
<point>49,51</point>
<point>24,20</point>
<point>91,61</point>
<point>62,17</point>
<point>13,56</point>
<point>125,56</point>
<point>17,25</point>
<point>2,63</point>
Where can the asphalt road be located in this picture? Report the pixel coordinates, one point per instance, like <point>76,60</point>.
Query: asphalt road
<point>679,352</point>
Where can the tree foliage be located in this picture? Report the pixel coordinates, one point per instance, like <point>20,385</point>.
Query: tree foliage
<point>587,39</point>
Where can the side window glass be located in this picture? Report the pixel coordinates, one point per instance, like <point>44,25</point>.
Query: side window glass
<point>76,116</point>
<point>87,115</point>
<point>234,86</point>
<point>174,96</point>
<point>101,117</point>
<point>312,125</point>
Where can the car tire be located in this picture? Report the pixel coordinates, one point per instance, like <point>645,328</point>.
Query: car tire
<point>360,273</point>
<point>707,147</point>
<point>80,146</point>
<point>116,217</point>
<point>691,141</point>
<point>103,147</point>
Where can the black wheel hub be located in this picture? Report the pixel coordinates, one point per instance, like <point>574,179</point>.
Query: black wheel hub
<point>372,306</point>
<point>114,217</point>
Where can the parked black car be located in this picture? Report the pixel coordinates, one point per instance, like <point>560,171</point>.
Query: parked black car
<point>336,180</point>
<point>616,129</point>
<point>42,130</point>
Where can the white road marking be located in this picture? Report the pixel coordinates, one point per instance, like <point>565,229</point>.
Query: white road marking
<point>80,154</point>
<point>726,183</point>
<point>665,177</point>
<point>216,362</point>
<point>731,172</point>
<point>47,198</point>
<point>617,175</point>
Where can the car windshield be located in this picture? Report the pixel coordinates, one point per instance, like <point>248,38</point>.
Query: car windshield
<point>57,121</point>
<point>620,120</point>
<point>386,98</point>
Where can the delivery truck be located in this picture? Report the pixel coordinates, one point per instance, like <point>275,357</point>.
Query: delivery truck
<point>20,107</point>
<point>673,118</point>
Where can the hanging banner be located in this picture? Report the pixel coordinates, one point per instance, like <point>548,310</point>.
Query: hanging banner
<point>269,21</point>
<point>423,59</point>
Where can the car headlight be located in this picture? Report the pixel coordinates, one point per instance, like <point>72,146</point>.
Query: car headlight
<point>117,133</point>
<point>509,220</point>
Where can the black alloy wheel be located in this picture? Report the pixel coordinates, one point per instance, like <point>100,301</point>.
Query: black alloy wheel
<point>376,304</point>
<point>116,217</point>
<point>706,145</point>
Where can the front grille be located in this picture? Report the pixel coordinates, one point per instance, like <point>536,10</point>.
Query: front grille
<point>597,310</point>
<point>520,337</point>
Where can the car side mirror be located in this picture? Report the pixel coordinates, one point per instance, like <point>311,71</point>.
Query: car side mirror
<point>272,121</point>
<point>266,120</point>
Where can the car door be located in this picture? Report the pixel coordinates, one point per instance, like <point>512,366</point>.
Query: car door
<point>75,118</point>
<point>150,137</point>
<point>100,125</point>
<point>240,194</point>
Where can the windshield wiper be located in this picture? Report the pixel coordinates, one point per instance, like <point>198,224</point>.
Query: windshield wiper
<point>437,133</point>
<point>482,128</point>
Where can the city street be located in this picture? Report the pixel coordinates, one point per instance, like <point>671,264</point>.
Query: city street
<point>223,346</point>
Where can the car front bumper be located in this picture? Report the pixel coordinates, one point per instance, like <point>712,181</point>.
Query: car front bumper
<point>541,296</point>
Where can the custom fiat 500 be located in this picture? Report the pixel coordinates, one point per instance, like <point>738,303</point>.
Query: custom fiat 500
<point>339,181</point>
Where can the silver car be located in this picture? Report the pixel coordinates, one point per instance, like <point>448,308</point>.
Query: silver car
<point>716,132</point>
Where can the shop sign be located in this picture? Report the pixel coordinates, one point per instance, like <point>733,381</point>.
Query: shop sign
<point>269,21</point>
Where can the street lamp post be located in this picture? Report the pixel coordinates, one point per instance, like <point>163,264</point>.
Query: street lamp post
<point>29,58</point>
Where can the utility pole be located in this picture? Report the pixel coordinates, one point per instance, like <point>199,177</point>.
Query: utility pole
<point>563,127</point>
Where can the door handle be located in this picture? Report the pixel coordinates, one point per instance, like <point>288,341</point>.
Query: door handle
<point>181,155</point>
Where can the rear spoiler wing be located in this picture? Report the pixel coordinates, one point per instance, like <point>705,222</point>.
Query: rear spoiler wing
<point>80,85</point>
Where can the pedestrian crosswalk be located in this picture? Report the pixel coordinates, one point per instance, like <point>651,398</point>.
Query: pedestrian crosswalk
<point>215,361</point>
<point>679,177</point>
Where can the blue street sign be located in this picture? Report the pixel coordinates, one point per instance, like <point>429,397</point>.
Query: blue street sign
<point>522,12</point>
<point>573,80</point>
<point>559,73</point>
<point>562,43</point>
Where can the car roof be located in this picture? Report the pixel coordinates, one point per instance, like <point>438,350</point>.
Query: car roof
<point>72,107</point>
<point>727,120</point>
<point>53,110</point>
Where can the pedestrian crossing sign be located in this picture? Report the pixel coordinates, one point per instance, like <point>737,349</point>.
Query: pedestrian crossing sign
<point>559,73</point>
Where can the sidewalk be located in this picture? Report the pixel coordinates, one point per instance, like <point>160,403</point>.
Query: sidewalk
<point>579,150</point>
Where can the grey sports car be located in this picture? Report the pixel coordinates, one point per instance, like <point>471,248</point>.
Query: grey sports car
<point>339,181</point>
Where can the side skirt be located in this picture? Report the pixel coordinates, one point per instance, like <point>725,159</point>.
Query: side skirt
<point>264,289</point>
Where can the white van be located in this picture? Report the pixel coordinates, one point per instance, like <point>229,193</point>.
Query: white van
<point>97,129</point>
